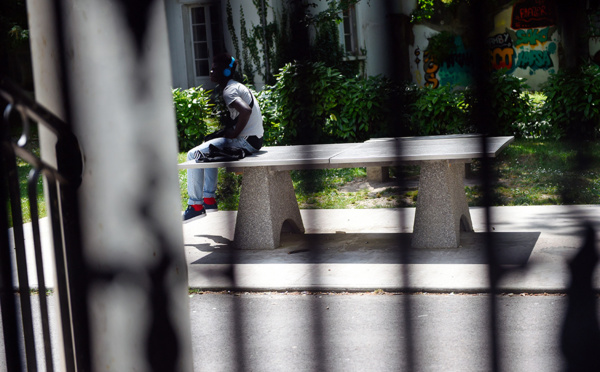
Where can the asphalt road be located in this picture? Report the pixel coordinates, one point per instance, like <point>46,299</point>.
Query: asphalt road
<point>371,332</point>
<point>295,332</point>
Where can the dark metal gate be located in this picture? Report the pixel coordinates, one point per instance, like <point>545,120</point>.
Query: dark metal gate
<point>21,113</point>
<point>580,335</point>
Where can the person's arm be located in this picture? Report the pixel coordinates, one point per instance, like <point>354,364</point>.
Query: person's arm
<point>244,115</point>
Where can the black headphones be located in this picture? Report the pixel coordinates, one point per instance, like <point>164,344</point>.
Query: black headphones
<point>227,71</point>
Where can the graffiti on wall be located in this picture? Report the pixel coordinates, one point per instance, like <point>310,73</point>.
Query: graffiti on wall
<point>535,48</point>
<point>458,66</point>
<point>454,70</point>
<point>531,48</point>
<point>502,53</point>
<point>533,36</point>
<point>532,14</point>
<point>527,47</point>
<point>536,59</point>
<point>430,67</point>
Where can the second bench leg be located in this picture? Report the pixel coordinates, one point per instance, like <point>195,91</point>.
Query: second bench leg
<point>267,200</point>
<point>442,209</point>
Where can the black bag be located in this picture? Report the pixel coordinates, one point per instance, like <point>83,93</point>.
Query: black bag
<point>220,154</point>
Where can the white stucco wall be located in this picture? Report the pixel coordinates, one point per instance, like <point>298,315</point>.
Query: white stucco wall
<point>173,10</point>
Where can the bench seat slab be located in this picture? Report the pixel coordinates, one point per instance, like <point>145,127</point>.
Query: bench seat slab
<point>442,210</point>
<point>267,200</point>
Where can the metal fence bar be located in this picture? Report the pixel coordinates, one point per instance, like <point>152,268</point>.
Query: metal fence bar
<point>61,202</point>
<point>8,304</point>
<point>405,310</point>
<point>482,117</point>
<point>32,188</point>
<point>21,259</point>
<point>56,205</point>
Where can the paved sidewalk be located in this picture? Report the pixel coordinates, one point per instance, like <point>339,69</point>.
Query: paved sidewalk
<point>360,250</point>
<point>369,249</point>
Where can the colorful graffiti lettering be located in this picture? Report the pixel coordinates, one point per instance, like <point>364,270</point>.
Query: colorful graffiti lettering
<point>457,67</point>
<point>532,14</point>
<point>455,75</point>
<point>533,36</point>
<point>536,59</point>
<point>430,67</point>
<point>502,53</point>
<point>502,59</point>
<point>499,41</point>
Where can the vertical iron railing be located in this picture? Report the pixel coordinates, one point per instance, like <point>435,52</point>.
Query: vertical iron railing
<point>580,336</point>
<point>19,112</point>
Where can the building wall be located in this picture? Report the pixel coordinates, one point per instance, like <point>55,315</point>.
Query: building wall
<point>371,31</point>
<point>174,14</point>
<point>524,41</point>
<point>178,20</point>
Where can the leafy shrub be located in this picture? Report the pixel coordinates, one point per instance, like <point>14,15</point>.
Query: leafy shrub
<point>362,109</point>
<point>439,110</point>
<point>305,97</point>
<point>508,105</point>
<point>313,103</point>
<point>275,133</point>
<point>537,126</point>
<point>193,110</point>
<point>573,102</point>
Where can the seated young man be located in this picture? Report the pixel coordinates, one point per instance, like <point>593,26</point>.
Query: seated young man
<point>247,134</point>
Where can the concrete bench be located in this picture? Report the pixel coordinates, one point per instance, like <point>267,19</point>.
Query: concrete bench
<point>267,197</point>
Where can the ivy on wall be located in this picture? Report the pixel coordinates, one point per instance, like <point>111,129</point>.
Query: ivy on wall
<point>265,48</point>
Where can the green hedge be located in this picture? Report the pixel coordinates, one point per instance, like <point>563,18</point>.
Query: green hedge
<point>193,112</point>
<point>572,106</point>
<point>313,103</point>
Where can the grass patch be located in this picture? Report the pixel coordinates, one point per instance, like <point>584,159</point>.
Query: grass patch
<point>548,173</point>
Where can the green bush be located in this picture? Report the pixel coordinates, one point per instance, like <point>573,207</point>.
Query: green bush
<point>441,110</point>
<point>362,110</point>
<point>275,133</point>
<point>509,104</point>
<point>537,126</point>
<point>306,94</point>
<point>193,110</point>
<point>313,103</point>
<point>573,102</point>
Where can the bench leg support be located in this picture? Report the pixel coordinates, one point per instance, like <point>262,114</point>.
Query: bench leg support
<point>267,200</point>
<point>378,174</point>
<point>442,209</point>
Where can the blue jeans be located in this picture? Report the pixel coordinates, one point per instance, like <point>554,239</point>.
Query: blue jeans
<point>202,183</point>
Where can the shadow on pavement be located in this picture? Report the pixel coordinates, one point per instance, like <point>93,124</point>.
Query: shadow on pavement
<point>513,248</point>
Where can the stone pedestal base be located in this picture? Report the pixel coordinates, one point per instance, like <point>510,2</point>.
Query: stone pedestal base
<point>442,209</point>
<point>378,174</point>
<point>267,200</point>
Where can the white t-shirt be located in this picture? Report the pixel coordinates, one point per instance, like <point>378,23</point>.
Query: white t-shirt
<point>236,90</point>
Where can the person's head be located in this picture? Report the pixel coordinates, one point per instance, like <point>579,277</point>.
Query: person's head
<point>223,68</point>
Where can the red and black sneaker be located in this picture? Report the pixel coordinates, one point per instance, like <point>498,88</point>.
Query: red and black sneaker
<point>193,212</point>
<point>210,204</point>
